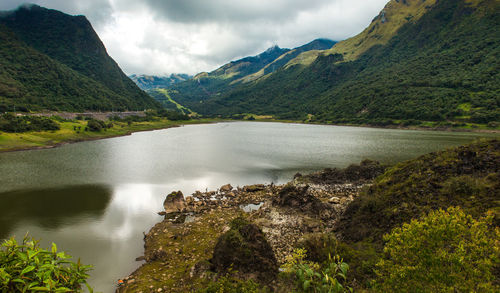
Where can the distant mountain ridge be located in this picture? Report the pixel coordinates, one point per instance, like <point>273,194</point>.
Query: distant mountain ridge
<point>64,65</point>
<point>207,85</point>
<point>149,82</point>
<point>417,61</point>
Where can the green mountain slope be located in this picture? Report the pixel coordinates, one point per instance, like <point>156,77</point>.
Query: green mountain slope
<point>89,79</point>
<point>424,62</point>
<point>149,82</point>
<point>216,83</point>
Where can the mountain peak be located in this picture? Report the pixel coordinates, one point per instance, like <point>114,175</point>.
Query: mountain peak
<point>51,36</point>
<point>384,26</point>
<point>272,48</point>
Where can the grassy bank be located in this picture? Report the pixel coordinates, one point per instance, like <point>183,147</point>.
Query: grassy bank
<point>423,125</point>
<point>74,131</point>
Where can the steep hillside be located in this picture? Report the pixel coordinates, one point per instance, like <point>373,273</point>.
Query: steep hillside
<point>317,45</point>
<point>467,176</point>
<point>30,80</point>
<point>210,85</point>
<point>149,82</point>
<point>69,42</point>
<point>432,62</point>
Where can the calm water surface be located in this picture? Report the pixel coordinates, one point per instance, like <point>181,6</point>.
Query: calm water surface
<point>95,199</point>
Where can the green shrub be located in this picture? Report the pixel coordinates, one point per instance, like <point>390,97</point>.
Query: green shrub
<point>311,277</point>
<point>28,268</point>
<point>445,251</point>
<point>361,256</point>
<point>15,124</point>
<point>96,125</point>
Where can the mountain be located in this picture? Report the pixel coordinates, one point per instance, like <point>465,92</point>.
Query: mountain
<point>148,82</point>
<point>51,60</point>
<point>417,61</point>
<point>205,86</point>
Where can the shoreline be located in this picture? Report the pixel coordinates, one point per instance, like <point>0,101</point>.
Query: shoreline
<point>396,127</point>
<point>214,120</point>
<point>84,139</point>
<point>179,248</point>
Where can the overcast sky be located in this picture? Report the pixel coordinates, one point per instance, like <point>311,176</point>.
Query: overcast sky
<point>190,36</point>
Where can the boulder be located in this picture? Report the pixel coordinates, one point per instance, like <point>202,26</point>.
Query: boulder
<point>254,188</point>
<point>226,188</point>
<point>244,249</point>
<point>174,202</point>
<point>335,200</point>
<point>299,199</point>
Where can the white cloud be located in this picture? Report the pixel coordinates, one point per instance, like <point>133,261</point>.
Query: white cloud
<point>189,36</point>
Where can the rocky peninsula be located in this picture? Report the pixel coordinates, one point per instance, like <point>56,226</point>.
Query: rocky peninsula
<point>193,244</point>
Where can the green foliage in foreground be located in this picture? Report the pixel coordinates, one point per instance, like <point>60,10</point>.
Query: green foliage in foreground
<point>28,268</point>
<point>13,124</point>
<point>445,251</point>
<point>311,277</point>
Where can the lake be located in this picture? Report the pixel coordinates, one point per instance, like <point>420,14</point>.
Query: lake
<point>95,199</point>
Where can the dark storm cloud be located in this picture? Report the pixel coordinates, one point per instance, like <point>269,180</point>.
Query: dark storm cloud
<point>189,36</point>
<point>199,11</point>
<point>98,11</point>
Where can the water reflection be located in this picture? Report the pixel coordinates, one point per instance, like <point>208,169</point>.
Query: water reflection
<point>52,208</point>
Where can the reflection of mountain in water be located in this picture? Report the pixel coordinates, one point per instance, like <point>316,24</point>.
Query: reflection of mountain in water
<point>52,208</point>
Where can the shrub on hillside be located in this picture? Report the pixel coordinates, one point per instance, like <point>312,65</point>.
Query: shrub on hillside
<point>445,251</point>
<point>15,124</point>
<point>96,125</point>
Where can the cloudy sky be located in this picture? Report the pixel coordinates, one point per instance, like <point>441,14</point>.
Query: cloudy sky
<point>190,36</point>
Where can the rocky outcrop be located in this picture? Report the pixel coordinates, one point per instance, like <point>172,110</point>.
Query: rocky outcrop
<point>174,202</point>
<point>198,234</point>
<point>225,188</point>
<point>298,198</point>
<point>244,249</point>
<point>365,172</point>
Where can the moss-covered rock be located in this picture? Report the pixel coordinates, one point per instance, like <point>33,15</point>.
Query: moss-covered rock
<point>245,250</point>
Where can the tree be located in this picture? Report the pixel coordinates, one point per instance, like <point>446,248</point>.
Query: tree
<point>95,125</point>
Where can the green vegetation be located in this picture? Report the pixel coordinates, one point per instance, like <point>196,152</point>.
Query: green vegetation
<point>74,131</point>
<point>55,61</point>
<point>163,96</point>
<point>311,277</point>
<point>466,177</point>
<point>206,86</point>
<point>11,123</point>
<point>26,267</point>
<point>151,82</point>
<point>230,284</point>
<point>445,251</point>
<point>427,71</point>
<point>395,235</point>
<point>96,125</point>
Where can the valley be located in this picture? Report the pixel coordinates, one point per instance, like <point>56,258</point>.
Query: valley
<point>348,156</point>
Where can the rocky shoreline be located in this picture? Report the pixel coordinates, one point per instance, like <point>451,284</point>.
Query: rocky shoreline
<point>179,250</point>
